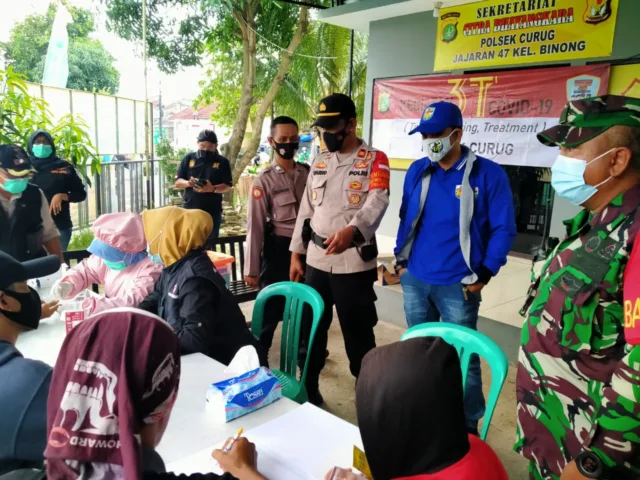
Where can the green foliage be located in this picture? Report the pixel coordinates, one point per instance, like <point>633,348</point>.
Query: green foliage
<point>21,114</point>
<point>90,65</point>
<point>81,239</point>
<point>169,161</point>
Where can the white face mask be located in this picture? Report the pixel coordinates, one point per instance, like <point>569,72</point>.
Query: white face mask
<point>437,148</point>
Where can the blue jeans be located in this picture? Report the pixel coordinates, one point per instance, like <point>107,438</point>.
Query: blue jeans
<point>65,237</point>
<point>424,302</point>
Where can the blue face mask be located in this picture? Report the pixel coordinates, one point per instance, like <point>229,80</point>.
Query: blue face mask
<point>567,179</point>
<point>15,185</point>
<point>156,259</point>
<point>42,151</point>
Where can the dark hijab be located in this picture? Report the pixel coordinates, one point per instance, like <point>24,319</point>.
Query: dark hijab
<point>117,371</point>
<point>37,162</point>
<point>409,402</point>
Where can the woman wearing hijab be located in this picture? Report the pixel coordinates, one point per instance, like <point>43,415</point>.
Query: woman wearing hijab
<point>411,417</point>
<point>190,294</point>
<point>119,262</point>
<point>58,180</point>
<point>108,408</point>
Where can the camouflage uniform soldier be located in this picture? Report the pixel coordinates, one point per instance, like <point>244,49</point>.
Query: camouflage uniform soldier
<point>578,382</point>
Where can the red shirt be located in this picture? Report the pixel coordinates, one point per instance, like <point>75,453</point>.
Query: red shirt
<point>481,463</point>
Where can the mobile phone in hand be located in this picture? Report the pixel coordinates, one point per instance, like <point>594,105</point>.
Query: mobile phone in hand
<point>199,182</point>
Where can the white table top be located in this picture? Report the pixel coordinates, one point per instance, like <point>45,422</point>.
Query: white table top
<point>190,428</point>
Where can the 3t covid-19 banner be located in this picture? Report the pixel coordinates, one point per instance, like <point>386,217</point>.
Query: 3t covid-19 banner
<point>512,32</point>
<point>503,111</point>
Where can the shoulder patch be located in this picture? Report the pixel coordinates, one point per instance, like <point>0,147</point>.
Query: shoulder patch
<point>361,153</point>
<point>320,165</point>
<point>257,193</point>
<point>380,172</point>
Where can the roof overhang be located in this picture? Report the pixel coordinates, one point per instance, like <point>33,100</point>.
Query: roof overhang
<point>358,14</point>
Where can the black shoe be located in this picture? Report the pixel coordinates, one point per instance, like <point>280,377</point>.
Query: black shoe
<point>473,431</point>
<point>315,397</point>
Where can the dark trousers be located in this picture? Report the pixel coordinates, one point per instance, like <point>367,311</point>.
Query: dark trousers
<point>354,299</point>
<point>215,233</point>
<point>276,259</point>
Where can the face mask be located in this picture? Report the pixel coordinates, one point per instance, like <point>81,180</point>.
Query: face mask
<point>286,150</point>
<point>437,148</point>
<point>567,179</point>
<point>42,151</point>
<point>156,259</point>
<point>334,141</point>
<point>117,266</point>
<point>15,185</point>
<point>30,308</point>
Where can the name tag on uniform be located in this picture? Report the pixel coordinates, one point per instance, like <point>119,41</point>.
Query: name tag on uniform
<point>62,171</point>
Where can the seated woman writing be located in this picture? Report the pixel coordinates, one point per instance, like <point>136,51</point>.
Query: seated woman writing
<point>409,402</point>
<point>190,294</point>
<point>119,262</point>
<point>127,389</point>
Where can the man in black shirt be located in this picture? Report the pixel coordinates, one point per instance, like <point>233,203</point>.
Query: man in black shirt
<point>205,175</point>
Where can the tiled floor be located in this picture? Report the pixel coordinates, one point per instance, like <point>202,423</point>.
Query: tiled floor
<point>502,298</point>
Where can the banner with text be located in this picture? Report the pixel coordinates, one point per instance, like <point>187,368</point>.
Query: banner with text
<point>502,111</point>
<point>512,32</point>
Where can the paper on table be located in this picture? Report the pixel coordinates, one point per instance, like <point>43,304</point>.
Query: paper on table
<point>302,444</point>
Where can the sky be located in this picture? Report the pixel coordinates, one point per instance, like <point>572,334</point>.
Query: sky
<point>128,55</point>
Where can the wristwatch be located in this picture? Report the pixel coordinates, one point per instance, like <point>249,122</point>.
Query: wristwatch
<point>399,266</point>
<point>590,465</point>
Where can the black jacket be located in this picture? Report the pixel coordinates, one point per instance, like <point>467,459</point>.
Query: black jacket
<point>54,176</point>
<point>194,299</point>
<point>21,234</point>
<point>206,166</point>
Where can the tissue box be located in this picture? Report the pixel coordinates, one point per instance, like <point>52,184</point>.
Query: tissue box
<point>238,396</point>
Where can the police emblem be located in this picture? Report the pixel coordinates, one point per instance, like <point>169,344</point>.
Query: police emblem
<point>597,11</point>
<point>449,26</point>
<point>355,185</point>
<point>257,193</point>
<point>192,163</point>
<point>584,86</point>
<point>362,164</point>
<point>362,153</point>
<point>428,113</point>
<point>384,102</point>
<point>354,199</point>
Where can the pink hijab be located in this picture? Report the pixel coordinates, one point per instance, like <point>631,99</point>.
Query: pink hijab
<point>116,372</point>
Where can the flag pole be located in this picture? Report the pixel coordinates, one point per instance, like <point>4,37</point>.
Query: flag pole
<point>146,103</point>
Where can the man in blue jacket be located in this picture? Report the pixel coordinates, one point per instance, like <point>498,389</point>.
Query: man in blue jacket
<point>456,228</point>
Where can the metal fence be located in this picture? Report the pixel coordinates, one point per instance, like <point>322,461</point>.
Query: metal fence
<point>122,187</point>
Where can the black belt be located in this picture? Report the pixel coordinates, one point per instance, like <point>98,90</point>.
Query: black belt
<point>319,241</point>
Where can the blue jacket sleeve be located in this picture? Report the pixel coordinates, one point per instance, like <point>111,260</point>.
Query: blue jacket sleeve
<point>501,220</point>
<point>406,195</point>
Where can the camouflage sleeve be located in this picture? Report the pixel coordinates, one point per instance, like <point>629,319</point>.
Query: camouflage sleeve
<point>617,437</point>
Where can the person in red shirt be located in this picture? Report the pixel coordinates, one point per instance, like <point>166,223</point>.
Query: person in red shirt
<point>409,402</point>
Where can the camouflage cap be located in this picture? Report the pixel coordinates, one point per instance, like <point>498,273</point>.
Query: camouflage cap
<point>582,120</point>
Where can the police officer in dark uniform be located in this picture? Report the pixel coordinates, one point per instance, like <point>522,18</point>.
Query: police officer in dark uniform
<point>58,180</point>
<point>273,208</point>
<point>205,175</point>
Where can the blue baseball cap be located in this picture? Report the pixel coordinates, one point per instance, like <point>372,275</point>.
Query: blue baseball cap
<point>437,117</point>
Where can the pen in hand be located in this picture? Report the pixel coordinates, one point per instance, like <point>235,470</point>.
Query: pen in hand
<point>233,440</point>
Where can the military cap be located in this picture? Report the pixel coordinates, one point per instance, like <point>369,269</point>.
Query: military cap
<point>582,120</point>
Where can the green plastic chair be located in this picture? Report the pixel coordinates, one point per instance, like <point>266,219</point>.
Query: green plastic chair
<point>296,295</point>
<point>467,341</point>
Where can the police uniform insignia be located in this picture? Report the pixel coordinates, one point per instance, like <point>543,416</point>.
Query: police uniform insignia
<point>355,185</point>
<point>363,164</point>
<point>257,193</point>
<point>369,156</point>
<point>192,163</point>
<point>321,165</point>
<point>216,165</point>
<point>362,153</point>
<point>314,195</point>
<point>323,107</point>
<point>354,199</point>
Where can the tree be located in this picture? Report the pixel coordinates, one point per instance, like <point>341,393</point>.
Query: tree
<point>229,31</point>
<point>21,114</point>
<point>90,65</point>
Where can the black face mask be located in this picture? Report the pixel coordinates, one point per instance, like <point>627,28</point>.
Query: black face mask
<point>286,150</point>
<point>31,308</point>
<point>334,141</point>
<point>205,154</point>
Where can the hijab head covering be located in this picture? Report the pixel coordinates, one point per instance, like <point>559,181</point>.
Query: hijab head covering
<point>411,418</point>
<point>104,391</point>
<point>37,161</point>
<point>172,232</point>
<point>119,237</point>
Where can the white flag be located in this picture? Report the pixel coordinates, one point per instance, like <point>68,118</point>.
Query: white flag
<point>56,65</point>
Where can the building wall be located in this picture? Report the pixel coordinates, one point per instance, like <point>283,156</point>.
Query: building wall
<point>405,46</point>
